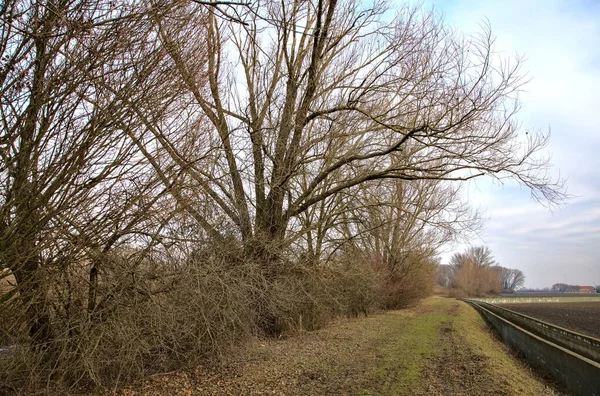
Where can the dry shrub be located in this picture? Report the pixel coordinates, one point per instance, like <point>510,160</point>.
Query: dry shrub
<point>471,280</point>
<point>294,300</point>
<point>151,317</point>
<point>456,292</point>
<point>409,280</point>
<point>307,295</point>
<point>156,314</point>
<point>442,291</point>
<point>371,281</point>
<point>354,285</point>
<point>204,311</point>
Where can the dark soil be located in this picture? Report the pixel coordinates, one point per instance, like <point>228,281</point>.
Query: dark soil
<point>549,294</point>
<point>582,317</point>
<point>535,294</point>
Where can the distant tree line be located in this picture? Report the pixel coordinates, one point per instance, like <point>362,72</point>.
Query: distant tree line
<point>559,288</point>
<point>536,290</point>
<point>474,272</point>
<point>565,288</point>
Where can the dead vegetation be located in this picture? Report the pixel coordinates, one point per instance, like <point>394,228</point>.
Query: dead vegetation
<point>163,318</point>
<point>177,176</point>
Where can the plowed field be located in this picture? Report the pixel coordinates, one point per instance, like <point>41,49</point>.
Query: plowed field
<point>582,317</point>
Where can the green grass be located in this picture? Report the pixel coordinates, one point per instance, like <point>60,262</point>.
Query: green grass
<point>406,349</point>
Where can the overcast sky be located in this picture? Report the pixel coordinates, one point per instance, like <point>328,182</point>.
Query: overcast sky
<point>561,43</point>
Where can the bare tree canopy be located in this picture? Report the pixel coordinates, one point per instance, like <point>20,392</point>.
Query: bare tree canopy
<point>479,256</point>
<point>476,272</point>
<point>310,99</point>
<point>512,279</point>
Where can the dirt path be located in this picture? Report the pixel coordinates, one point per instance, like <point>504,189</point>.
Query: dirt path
<point>441,347</point>
<point>456,369</point>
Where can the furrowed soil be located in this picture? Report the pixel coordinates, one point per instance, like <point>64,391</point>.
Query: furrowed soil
<point>440,347</point>
<point>541,295</point>
<point>582,317</point>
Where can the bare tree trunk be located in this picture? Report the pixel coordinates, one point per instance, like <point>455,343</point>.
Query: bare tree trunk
<point>26,224</point>
<point>31,290</point>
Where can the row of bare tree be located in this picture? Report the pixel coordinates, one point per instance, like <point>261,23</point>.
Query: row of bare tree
<point>248,159</point>
<point>474,272</point>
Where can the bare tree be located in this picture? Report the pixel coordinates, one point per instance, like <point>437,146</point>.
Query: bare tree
<point>475,272</point>
<point>512,279</point>
<point>479,255</point>
<point>444,275</point>
<point>307,100</point>
<point>399,226</point>
<point>562,288</point>
<point>71,180</point>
